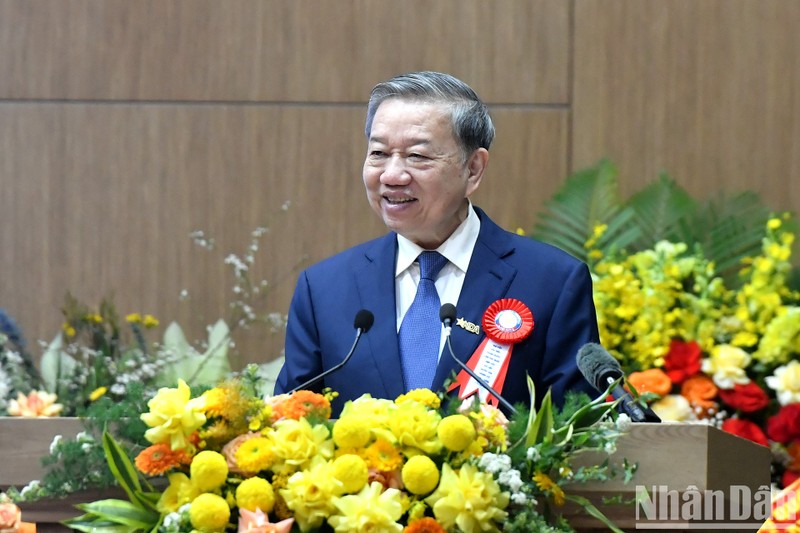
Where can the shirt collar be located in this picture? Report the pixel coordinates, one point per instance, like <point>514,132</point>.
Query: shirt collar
<point>457,249</point>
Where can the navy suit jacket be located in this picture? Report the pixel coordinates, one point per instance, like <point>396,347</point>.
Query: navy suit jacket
<point>553,284</point>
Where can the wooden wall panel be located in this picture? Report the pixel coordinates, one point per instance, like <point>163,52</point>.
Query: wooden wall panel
<point>708,91</point>
<point>278,50</point>
<point>99,199</point>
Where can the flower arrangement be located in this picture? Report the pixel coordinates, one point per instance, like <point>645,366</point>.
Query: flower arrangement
<point>102,367</point>
<point>706,350</point>
<point>228,458</point>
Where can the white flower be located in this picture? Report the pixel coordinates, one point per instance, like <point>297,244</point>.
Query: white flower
<point>624,422</point>
<point>727,366</point>
<point>54,445</point>
<point>786,383</point>
<point>673,408</point>
<point>533,454</point>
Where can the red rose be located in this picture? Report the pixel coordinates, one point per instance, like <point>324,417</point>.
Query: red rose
<point>682,361</point>
<point>746,430</point>
<point>746,398</point>
<point>784,426</point>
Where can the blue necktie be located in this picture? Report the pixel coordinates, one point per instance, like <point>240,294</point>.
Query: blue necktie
<point>421,329</point>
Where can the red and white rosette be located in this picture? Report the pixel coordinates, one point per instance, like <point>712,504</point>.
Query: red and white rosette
<point>505,323</point>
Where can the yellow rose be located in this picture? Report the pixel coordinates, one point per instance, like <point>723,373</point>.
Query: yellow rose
<point>295,442</point>
<point>372,509</point>
<point>173,416</point>
<point>785,381</point>
<point>672,408</point>
<point>309,494</point>
<point>470,500</point>
<point>727,366</point>
<point>179,492</point>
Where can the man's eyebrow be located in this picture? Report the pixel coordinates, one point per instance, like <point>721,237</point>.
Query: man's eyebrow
<point>414,142</point>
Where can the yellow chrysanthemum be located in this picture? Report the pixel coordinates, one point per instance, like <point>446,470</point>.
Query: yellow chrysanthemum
<point>214,401</point>
<point>420,475</point>
<point>351,432</point>
<point>149,321</point>
<point>456,432</point>
<point>352,471</point>
<point>309,494</point>
<point>208,470</point>
<point>179,492</point>
<point>255,493</point>
<point>255,455</point>
<point>133,318</point>
<point>371,510</point>
<point>383,456</point>
<point>209,513</point>
<point>469,500</point>
<point>173,416</point>
<point>546,484</point>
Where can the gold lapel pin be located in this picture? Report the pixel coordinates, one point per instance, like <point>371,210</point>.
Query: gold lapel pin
<point>469,326</point>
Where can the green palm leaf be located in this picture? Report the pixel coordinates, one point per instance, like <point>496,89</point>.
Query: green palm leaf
<point>588,197</point>
<point>659,209</point>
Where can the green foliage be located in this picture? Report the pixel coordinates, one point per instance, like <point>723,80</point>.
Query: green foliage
<point>727,227</point>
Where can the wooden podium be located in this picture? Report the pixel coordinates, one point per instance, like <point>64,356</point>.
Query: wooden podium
<point>670,456</point>
<point>697,477</point>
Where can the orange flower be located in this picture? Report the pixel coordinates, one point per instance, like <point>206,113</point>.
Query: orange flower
<point>425,525</point>
<point>302,403</point>
<point>700,391</point>
<point>654,380</point>
<point>160,458</point>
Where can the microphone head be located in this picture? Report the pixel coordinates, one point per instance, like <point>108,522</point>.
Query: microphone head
<point>447,314</point>
<point>363,320</point>
<point>597,365</point>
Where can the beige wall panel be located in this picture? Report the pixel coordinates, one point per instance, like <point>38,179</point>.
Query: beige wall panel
<point>99,199</point>
<point>278,50</point>
<point>527,164</point>
<point>708,91</point>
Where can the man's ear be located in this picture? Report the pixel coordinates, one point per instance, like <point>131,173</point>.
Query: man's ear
<point>476,166</point>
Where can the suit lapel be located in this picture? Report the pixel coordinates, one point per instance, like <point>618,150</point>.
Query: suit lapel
<point>375,283</point>
<point>488,279</point>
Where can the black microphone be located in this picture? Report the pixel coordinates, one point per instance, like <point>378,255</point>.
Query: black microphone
<point>362,323</point>
<point>601,370</point>
<point>447,314</point>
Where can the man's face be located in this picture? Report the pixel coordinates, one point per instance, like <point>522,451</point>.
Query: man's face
<point>416,178</point>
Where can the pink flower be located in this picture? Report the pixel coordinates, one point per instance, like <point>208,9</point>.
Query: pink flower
<point>10,517</point>
<point>258,522</point>
<point>35,404</point>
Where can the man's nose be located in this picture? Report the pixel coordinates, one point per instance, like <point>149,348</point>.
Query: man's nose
<point>395,171</point>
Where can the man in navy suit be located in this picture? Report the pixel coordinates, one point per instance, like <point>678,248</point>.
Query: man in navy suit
<point>428,138</point>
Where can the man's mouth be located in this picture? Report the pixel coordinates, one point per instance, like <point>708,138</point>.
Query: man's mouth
<point>398,201</point>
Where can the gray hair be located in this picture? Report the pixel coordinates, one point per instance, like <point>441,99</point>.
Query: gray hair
<point>472,125</point>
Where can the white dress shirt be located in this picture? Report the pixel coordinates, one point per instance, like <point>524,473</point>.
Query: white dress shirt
<point>457,249</point>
